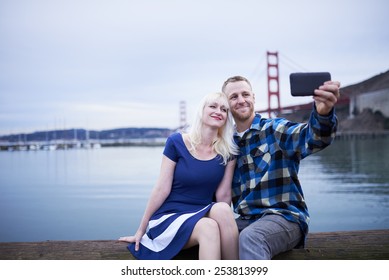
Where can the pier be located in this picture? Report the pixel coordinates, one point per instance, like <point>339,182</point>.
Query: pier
<point>345,245</point>
<point>70,145</point>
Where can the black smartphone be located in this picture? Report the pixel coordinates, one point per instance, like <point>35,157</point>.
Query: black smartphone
<point>305,83</point>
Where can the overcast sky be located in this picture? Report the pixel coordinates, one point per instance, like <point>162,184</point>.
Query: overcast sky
<point>122,63</point>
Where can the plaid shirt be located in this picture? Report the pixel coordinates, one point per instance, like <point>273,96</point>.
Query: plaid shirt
<point>265,178</point>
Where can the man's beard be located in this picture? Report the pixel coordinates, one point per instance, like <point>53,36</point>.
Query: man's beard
<point>242,117</point>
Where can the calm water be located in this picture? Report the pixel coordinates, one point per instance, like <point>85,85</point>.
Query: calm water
<point>101,194</point>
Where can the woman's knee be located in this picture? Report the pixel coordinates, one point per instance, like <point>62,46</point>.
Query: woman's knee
<point>222,206</point>
<point>209,228</point>
<point>206,230</point>
<point>221,210</point>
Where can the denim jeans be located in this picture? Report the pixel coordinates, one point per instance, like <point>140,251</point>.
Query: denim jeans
<point>267,237</point>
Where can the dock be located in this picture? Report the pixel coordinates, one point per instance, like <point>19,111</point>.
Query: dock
<point>345,245</point>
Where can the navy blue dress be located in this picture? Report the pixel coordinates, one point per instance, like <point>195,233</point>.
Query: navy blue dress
<point>194,184</point>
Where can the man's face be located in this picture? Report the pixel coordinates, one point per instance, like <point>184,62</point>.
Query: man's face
<point>241,100</point>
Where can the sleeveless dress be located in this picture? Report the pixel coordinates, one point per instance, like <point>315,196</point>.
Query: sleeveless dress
<point>194,184</point>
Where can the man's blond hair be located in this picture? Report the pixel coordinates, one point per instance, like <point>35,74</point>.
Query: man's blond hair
<point>233,80</point>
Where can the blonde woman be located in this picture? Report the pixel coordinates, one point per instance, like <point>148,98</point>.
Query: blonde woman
<point>196,167</point>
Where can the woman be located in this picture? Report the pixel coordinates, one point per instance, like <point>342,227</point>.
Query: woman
<point>196,167</point>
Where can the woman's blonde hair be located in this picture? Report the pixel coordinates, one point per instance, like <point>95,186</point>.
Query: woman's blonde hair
<point>224,145</point>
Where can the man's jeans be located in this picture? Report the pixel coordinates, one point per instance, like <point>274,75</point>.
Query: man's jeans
<point>267,237</point>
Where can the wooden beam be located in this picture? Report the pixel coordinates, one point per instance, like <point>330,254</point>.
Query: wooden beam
<point>347,245</point>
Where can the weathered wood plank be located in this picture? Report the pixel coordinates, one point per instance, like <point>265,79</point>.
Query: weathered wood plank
<point>346,245</point>
<point>65,250</point>
<point>351,245</point>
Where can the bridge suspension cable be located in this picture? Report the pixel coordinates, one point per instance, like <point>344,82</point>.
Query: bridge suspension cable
<point>292,64</point>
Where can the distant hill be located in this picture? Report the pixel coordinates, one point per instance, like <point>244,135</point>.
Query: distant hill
<point>83,134</point>
<point>378,82</point>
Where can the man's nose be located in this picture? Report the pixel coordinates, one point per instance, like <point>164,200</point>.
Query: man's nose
<point>240,99</point>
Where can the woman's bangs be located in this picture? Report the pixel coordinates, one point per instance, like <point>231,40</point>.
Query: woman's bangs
<point>217,98</point>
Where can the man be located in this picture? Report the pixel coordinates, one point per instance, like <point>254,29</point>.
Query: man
<point>266,192</point>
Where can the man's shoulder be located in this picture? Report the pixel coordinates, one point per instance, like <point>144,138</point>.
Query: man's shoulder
<point>264,123</point>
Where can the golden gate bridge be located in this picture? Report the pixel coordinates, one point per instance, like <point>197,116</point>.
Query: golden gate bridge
<point>273,93</point>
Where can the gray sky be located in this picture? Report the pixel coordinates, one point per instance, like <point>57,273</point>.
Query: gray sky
<point>116,63</point>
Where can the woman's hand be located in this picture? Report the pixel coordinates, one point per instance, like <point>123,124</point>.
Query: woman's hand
<point>133,239</point>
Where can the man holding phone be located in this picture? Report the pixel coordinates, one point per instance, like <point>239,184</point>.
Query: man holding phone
<point>266,192</point>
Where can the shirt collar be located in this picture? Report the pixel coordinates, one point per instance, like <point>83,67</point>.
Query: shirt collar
<point>255,125</point>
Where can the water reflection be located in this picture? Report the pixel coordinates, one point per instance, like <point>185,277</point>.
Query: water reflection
<point>359,164</point>
<point>101,194</point>
<point>347,185</point>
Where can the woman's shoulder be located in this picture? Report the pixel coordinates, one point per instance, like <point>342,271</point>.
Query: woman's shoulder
<point>179,140</point>
<point>175,136</point>
<point>175,139</point>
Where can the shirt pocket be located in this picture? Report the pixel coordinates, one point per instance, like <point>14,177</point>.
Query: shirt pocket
<point>261,157</point>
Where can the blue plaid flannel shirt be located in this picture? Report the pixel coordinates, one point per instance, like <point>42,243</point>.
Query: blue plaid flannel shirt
<point>265,178</point>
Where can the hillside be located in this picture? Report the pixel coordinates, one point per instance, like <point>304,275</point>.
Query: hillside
<point>82,134</point>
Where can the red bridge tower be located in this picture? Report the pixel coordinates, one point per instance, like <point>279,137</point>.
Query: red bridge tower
<point>273,82</point>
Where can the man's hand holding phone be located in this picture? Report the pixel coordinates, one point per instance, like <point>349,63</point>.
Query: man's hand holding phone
<point>325,92</point>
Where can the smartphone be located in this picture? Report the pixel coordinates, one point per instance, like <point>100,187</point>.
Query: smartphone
<point>305,83</point>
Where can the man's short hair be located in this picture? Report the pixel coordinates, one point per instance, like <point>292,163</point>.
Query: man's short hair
<point>235,79</point>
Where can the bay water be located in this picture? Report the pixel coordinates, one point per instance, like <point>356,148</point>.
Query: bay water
<point>99,194</point>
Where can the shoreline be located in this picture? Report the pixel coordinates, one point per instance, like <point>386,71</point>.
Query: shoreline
<point>34,146</point>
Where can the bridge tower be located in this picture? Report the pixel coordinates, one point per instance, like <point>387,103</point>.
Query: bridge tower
<point>183,122</point>
<point>273,83</point>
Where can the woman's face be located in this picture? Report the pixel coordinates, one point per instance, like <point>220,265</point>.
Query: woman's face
<point>215,114</point>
